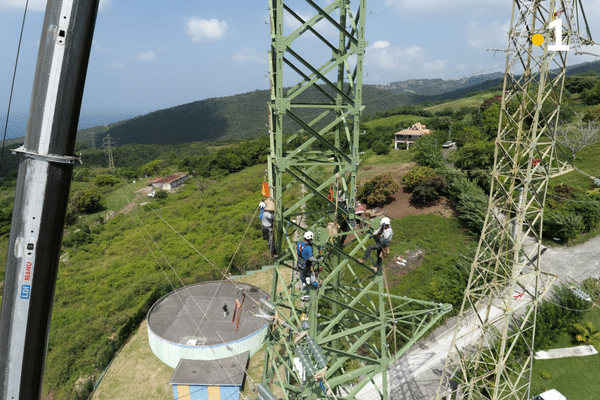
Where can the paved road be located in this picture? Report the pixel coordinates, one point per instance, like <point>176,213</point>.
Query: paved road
<point>416,375</point>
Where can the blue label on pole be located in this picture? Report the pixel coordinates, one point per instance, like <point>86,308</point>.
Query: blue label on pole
<point>25,290</point>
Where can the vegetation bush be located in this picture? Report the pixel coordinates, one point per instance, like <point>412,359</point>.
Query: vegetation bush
<point>562,225</point>
<point>592,287</point>
<point>471,208</point>
<point>429,191</point>
<point>87,200</point>
<point>106,180</point>
<point>477,160</point>
<point>587,334</point>
<point>424,195</point>
<point>555,316</point>
<point>416,176</point>
<point>161,194</point>
<point>380,148</point>
<point>81,174</point>
<point>591,96</point>
<point>378,191</point>
<point>428,151</point>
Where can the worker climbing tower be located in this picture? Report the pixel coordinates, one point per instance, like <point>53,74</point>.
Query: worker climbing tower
<point>340,342</point>
<point>492,349</point>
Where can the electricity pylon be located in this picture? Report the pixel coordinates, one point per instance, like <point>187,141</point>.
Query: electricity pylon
<point>350,326</point>
<point>109,143</point>
<point>492,349</point>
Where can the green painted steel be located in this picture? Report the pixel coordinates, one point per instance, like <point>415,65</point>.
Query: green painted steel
<point>312,171</point>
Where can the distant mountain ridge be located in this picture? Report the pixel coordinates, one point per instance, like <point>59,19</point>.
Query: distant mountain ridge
<point>432,87</point>
<point>245,115</point>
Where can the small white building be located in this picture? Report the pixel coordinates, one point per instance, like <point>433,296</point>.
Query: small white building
<point>170,182</point>
<point>410,135</point>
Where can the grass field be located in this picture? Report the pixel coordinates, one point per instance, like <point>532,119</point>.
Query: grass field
<point>473,101</point>
<point>575,377</point>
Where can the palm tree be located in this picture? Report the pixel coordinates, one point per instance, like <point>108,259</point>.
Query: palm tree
<point>587,334</point>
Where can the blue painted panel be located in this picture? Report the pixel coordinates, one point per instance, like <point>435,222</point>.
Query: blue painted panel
<point>198,392</point>
<point>230,392</point>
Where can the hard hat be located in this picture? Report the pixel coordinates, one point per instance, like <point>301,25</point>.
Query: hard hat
<point>308,235</point>
<point>385,221</point>
<point>262,204</point>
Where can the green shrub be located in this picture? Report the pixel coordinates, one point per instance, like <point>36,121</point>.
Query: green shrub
<point>424,194</point>
<point>592,287</point>
<point>430,190</point>
<point>87,200</point>
<point>378,191</point>
<point>106,180</point>
<point>471,208</point>
<point>161,194</point>
<point>562,225</point>
<point>81,174</point>
<point>428,152</point>
<point>380,148</point>
<point>415,176</point>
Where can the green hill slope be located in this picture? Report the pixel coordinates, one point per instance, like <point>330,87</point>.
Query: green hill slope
<point>242,115</point>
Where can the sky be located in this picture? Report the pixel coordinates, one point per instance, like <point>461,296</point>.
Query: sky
<point>150,55</point>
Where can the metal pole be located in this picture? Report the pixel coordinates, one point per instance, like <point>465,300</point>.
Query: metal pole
<point>41,197</point>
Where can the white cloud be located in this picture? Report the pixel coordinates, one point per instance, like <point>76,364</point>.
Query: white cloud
<point>97,47</point>
<point>146,56</point>
<point>436,66</point>
<point>494,35</point>
<point>105,5</point>
<point>248,55</point>
<point>116,65</point>
<point>381,44</point>
<point>202,30</point>
<point>383,56</point>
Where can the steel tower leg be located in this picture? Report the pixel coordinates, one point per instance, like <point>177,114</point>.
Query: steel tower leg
<point>41,197</point>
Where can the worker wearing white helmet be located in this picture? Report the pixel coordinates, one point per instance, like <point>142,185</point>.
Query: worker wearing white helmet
<point>306,259</point>
<point>266,219</point>
<point>383,238</point>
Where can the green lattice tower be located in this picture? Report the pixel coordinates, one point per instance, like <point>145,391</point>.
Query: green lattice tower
<point>312,168</point>
<point>492,349</point>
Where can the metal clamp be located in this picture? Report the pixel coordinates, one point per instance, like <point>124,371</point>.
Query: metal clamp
<point>47,157</point>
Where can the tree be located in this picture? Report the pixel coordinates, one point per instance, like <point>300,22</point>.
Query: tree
<point>106,180</point>
<point>415,176</point>
<point>87,200</point>
<point>587,334</point>
<point>378,190</point>
<point>428,152</point>
<point>161,194</point>
<point>591,96</point>
<point>577,137</point>
<point>380,148</point>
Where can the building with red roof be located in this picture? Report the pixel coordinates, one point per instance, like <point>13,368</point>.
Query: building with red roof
<point>411,134</point>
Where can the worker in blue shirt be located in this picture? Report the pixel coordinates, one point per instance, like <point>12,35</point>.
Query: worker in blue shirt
<point>306,259</point>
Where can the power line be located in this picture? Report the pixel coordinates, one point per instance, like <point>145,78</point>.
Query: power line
<point>12,86</point>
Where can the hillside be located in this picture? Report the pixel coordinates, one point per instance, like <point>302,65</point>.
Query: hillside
<point>243,115</point>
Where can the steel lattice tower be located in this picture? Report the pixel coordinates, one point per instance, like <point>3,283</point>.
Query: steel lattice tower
<point>313,164</point>
<point>109,143</point>
<point>506,283</point>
